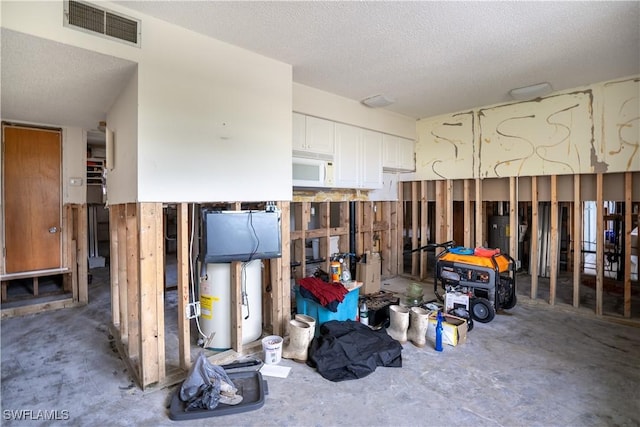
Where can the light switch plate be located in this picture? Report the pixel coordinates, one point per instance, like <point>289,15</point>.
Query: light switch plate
<point>76,182</point>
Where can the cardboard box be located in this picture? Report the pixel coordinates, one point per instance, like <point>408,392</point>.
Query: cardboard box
<point>454,329</point>
<point>369,273</point>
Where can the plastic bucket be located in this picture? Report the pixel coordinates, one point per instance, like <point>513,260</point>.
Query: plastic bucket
<point>272,346</point>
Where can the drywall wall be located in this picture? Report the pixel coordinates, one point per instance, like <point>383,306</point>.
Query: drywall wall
<point>122,150</point>
<point>592,129</point>
<point>213,121</point>
<point>74,165</point>
<point>315,102</point>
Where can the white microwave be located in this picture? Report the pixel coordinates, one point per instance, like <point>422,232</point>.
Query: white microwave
<point>312,172</point>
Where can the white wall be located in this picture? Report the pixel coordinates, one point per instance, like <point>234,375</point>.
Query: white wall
<point>74,165</point>
<point>315,102</point>
<point>122,121</point>
<point>214,120</point>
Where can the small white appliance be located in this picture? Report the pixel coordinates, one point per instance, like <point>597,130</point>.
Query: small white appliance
<point>312,172</point>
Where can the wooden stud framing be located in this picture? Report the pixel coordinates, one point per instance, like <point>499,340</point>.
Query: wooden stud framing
<point>236,306</point>
<point>82,254</point>
<point>133,309</point>
<point>400,229</point>
<point>184,326</point>
<point>467,213</point>
<point>513,218</point>
<point>120,252</point>
<point>151,293</point>
<point>424,221</point>
<point>414,227</point>
<point>599,243</point>
<point>627,243</point>
<point>576,245</point>
<point>553,250</point>
<point>448,209</point>
<point>440,212</point>
<point>113,266</point>
<point>534,226</point>
<point>281,277</point>
<point>479,214</point>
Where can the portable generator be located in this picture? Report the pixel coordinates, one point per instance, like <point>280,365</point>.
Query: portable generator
<point>486,276</point>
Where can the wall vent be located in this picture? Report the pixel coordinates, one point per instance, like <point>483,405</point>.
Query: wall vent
<point>90,18</point>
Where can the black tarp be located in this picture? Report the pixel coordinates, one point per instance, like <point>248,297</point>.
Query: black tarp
<point>348,350</point>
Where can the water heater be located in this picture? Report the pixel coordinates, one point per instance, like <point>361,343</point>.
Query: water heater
<point>215,303</point>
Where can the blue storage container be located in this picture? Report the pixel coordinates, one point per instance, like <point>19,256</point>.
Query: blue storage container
<point>347,309</point>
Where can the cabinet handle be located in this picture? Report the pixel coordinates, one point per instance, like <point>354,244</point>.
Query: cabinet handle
<point>53,230</point>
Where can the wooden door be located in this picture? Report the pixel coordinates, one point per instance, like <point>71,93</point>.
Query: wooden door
<point>32,199</point>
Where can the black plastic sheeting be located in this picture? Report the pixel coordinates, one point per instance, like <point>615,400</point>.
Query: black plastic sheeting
<point>348,350</point>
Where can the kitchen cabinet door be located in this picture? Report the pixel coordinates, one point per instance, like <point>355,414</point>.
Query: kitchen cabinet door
<point>348,154</point>
<point>319,135</point>
<point>371,159</point>
<point>299,132</point>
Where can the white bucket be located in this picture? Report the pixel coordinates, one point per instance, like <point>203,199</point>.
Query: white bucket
<point>272,346</point>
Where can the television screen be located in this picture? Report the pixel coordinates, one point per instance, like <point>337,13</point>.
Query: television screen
<point>240,235</point>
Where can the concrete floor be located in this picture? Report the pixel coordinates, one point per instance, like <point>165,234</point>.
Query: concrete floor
<point>531,366</point>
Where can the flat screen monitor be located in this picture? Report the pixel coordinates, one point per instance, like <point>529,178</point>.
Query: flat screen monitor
<point>240,235</point>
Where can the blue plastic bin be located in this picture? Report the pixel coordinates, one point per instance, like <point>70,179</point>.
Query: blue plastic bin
<point>347,309</point>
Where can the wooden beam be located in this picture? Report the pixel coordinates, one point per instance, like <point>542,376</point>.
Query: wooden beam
<point>467,213</point>
<point>424,222</point>
<point>415,219</point>
<point>281,277</point>
<point>133,309</point>
<point>83,256</point>
<point>236,306</point>
<point>151,293</point>
<point>479,214</point>
<point>400,228</point>
<point>534,227</point>
<point>441,214</point>
<point>599,243</point>
<point>554,255</point>
<point>628,225</point>
<point>513,218</point>
<point>122,255</point>
<point>184,325</point>
<point>25,310</point>
<point>448,209</point>
<point>113,265</point>
<point>577,240</point>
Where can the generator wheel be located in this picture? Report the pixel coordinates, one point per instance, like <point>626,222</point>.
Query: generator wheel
<point>482,310</point>
<point>511,302</point>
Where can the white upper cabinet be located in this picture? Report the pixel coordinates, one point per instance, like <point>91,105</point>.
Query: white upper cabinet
<point>358,162</point>
<point>312,137</point>
<point>398,153</point>
<point>371,159</point>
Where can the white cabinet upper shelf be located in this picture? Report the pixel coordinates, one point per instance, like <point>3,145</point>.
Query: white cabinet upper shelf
<point>397,154</point>
<point>313,137</point>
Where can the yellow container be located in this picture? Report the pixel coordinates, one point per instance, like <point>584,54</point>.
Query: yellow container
<point>336,271</point>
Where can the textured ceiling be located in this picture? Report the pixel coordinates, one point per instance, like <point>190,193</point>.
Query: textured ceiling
<point>431,57</point>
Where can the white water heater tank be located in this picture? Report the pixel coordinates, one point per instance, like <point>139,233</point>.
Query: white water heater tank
<point>215,303</point>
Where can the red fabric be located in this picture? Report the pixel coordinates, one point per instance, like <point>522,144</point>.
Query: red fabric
<point>325,292</point>
<point>486,252</point>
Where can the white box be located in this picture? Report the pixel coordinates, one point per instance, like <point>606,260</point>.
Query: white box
<point>455,299</point>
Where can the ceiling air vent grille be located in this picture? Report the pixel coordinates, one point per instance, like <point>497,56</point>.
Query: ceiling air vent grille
<point>87,17</point>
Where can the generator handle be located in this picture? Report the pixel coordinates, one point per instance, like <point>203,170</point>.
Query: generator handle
<point>431,247</point>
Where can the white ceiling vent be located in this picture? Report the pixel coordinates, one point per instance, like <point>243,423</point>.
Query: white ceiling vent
<point>90,18</point>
